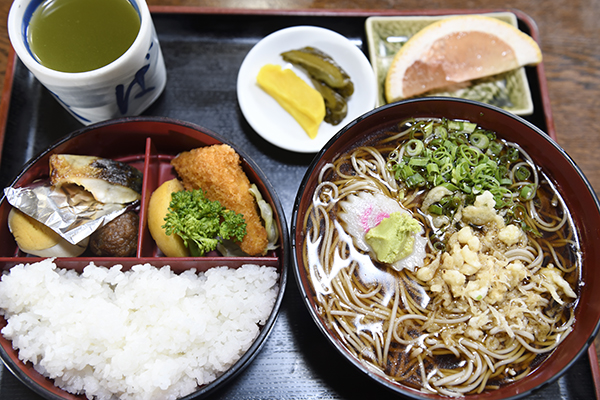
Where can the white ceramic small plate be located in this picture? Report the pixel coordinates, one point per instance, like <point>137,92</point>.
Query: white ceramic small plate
<point>268,118</point>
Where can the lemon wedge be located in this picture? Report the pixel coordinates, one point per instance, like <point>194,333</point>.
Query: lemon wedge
<point>456,50</point>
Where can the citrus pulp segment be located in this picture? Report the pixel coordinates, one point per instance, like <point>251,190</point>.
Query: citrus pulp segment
<point>456,50</point>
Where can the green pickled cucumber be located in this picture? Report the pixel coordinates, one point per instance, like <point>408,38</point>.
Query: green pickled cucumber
<point>332,82</point>
<point>322,67</point>
<point>336,106</point>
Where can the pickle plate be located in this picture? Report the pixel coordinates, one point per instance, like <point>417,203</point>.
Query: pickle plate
<point>273,122</point>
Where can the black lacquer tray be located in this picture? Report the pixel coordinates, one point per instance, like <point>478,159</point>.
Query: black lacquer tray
<point>203,50</point>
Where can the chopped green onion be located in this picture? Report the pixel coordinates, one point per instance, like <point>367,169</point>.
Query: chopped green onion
<point>455,125</point>
<point>432,168</point>
<point>513,154</point>
<point>451,147</point>
<point>527,192</point>
<point>414,147</point>
<point>441,131</point>
<point>469,154</point>
<point>440,156</point>
<point>479,140</point>
<point>435,143</point>
<point>419,161</point>
<point>502,173</point>
<point>464,159</point>
<point>469,126</point>
<point>461,138</point>
<point>446,168</point>
<point>466,188</point>
<point>495,148</point>
<point>522,174</point>
<point>435,209</point>
<point>462,126</point>
<point>449,186</point>
<point>490,134</point>
<point>439,246</point>
<point>428,129</point>
<point>415,180</point>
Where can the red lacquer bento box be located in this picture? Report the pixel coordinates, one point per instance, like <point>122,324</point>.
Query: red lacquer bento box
<point>148,144</point>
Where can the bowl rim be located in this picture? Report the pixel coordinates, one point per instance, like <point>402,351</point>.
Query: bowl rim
<point>265,330</point>
<point>297,269</point>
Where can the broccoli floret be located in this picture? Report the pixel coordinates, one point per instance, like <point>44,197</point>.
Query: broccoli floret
<point>201,223</point>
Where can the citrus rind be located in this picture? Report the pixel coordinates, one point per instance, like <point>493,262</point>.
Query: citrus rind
<point>456,50</point>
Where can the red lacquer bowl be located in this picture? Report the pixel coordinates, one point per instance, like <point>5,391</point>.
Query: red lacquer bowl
<point>554,162</point>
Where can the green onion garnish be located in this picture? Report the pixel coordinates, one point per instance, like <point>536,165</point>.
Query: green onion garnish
<point>463,158</point>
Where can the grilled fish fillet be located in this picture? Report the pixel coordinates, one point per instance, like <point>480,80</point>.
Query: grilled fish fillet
<point>109,181</point>
<point>217,170</point>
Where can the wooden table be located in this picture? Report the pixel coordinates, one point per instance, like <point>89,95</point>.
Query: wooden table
<point>569,37</point>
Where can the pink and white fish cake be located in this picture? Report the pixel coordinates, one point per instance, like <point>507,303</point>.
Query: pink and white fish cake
<point>363,211</point>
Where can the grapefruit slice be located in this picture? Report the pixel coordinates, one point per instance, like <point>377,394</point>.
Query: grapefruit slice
<point>455,50</point>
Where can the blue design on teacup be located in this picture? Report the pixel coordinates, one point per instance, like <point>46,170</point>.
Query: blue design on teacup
<point>123,95</point>
<point>31,7</point>
<point>68,107</point>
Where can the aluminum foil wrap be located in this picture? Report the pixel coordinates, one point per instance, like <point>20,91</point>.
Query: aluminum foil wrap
<point>70,210</point>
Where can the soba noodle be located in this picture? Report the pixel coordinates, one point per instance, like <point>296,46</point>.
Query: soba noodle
<point>453,326</point>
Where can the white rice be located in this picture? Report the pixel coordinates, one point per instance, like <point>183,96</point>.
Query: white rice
<point>146,333</point>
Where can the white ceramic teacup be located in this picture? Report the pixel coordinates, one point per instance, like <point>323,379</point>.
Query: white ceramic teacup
<point>125,87</point>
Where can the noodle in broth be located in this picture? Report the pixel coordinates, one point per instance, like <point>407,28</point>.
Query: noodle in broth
<point>496,290</point>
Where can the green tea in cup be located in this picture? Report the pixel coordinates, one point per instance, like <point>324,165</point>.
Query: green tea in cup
<point>81,35</point>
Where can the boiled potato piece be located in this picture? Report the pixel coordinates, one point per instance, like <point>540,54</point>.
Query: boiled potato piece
<point>158,207</point>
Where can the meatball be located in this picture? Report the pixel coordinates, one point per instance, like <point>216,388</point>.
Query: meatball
<point>118,238</point>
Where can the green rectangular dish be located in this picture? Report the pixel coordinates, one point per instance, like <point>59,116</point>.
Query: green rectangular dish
<point>387,34</point>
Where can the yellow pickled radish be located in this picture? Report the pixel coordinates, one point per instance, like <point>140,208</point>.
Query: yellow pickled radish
<point>455,50</point>
<point>296,96</point>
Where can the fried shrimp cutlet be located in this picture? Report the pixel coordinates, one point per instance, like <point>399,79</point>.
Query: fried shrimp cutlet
<point>217,170</point>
